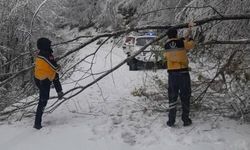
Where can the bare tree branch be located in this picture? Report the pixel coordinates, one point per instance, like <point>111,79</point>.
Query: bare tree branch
<point>178,26</point>
<point>82,88</point>
<point>34,16</point>
<point>15,75</point>
<point>200,22</point>
<point>220,71</point>
<point>69,41</point>
<point>189,7</point>
<point>15,59</point>
<point>243,41</point>
<point>5,49</point>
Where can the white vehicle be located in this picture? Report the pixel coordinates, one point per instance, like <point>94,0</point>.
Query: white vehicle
<point>151,57</point>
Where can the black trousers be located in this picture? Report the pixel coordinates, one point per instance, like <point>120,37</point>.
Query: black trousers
<point>179,85</point>
<point>44,90</point>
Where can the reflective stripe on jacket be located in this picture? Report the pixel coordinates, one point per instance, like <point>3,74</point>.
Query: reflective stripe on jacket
<point>45,67</point>
<point>176,54</point>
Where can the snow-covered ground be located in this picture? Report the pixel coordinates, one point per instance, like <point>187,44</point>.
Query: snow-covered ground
<point>107,117</point>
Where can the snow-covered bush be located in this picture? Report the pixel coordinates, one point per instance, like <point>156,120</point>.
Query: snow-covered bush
<point>228,65</point>
<point>16,47</point>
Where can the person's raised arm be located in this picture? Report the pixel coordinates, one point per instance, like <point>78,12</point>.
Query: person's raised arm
<point>189,42</point>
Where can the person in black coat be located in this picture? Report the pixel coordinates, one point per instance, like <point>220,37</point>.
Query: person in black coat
<point>46,72</point>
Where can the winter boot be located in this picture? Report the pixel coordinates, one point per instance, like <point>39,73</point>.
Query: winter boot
<point>188,122</point>
<point>170,123</point>
<point>38,127</point>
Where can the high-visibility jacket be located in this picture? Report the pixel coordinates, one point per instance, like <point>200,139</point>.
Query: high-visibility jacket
<point>45,67</point>
<point>176,54</point>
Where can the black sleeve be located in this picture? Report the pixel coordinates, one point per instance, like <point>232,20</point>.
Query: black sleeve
<point>167,46</point>
<point>182,38</point>
<point>52,61</point>
<point>57,84</point>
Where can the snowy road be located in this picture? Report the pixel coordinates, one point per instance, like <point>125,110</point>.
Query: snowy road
<point>106,117</point>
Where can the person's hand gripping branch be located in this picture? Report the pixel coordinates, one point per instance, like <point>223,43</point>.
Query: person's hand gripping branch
<point>188,34</point>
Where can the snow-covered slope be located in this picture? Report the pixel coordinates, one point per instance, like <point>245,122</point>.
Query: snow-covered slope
<point>106,116</point>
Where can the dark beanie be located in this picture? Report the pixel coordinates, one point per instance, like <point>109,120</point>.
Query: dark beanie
<point>44,44</point>
<point>172,33</point>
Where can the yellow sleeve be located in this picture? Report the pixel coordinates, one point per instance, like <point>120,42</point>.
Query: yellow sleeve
<point>189,44</point>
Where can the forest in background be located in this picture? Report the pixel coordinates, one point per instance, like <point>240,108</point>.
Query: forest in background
<point>228,87</point>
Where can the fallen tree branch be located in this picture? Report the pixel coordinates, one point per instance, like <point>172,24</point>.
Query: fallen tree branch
<point>212,42</point>
<point>220,71</point>
<point>72,40</point>
<point>92,54</point>
<point>78,90</point>
<point>82,88</point>
<point>179,26</point>
<point>185,7</point>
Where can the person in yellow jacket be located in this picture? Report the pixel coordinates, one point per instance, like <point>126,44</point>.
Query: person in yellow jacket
<point>179,83</point>
<point>45,73</point>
